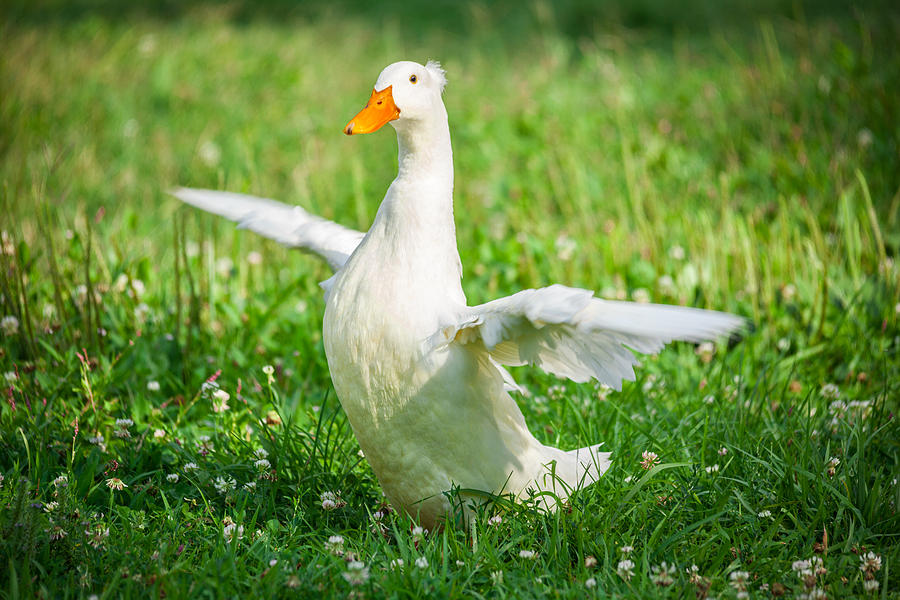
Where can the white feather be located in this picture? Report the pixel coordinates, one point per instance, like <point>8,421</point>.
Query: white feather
<point>286,224</point>
<point>567,332</point>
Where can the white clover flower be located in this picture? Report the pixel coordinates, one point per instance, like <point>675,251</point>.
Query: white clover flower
<point>124,423</point>
<point>497,577</point>
<point>250,486</point>
<point>357,573</point>
<point>830,390</point>
<point>870,562</point>
<point>712,469</point>
<point>191,466</point>
<point>870,585</point>
<point>626,550</point>
<point>625,569</point>
<point>220,401</point>
<point>335,545</point>
<point>676,252</point>
<point>396,563</point>
<point>232,531</point>
<point>422,562</point>
<point>331,500</point>
<point>590,582</point>
<point>764,514</point>
<point>159,434</point>
<point>61,481</point>
<point>51,506</point>
<point>661,575</point>
<point>526,554</point>
<point>709,399</point>
<point>495,520</point>
<point>261,453</point>
<point>9,325</point>
<point>723,451</point>
<point>649,459</point>
<point>254,258</point>
<point>590,561</point>
<point>114,483</point>
<point>263,464</point>
<point>172,477</point>
<point>225,484</point>
<point>269,371</point>
<point>153,386</point>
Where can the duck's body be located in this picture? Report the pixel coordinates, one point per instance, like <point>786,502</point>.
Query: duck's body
<point>415,368</point>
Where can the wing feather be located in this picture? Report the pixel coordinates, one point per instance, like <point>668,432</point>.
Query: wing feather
<point>286,224</point>
<point>568,332</point>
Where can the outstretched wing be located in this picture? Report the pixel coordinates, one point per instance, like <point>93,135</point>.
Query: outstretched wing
<point>568,332</point>
<point>286,224</point>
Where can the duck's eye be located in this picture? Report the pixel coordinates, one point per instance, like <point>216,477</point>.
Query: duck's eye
<point>413,79</point>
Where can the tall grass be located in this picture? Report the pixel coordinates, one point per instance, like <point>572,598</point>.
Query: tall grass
<point>746,163</point>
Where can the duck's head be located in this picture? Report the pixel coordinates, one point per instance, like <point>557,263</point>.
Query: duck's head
<point>405,91</point>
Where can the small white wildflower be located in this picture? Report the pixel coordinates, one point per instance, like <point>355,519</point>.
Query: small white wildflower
<point>784,344</point>
<point>723,451</point>
<point>870,585</point>
<point>9,325</point>
<point>764,514</point>
<point>497,577</point>
<point>124,423</point>
<point>649,459</point>
<point>254,258</point>
<point>331,500</point>
<point>625,569</point>
<point>629,479</point>
<point>335,545</point>
<point>626,550</point>
<point>191,466</point>
<point>712,469</point>
<point>209,153</point>
<point>590,561</point>
<point>225,484</point>
<point>114,483</point>
<point>172,477</point>
<point>710,399</point>
<point>705,351</point>
<point>676,252</point>
<point>232,531</point>
<point>220,401</point>
<point>526,554</point>
<point>460,563</point>
<point>261,453</point>
<point>830,390</point>
<point>250,486</point>
<point>10,377</point>
<point>422,562</point>
<point>57,533</point>
<point>396,563</point>
<point>870,562</point>
<point>357,573</point>
<point>153,386</point>
<point>495,520</point>
<point>263,464</point>
<point>832,465</point>
<point>662,575</point>
<point>61,481</point>
<point>51,506</point>
<point>590,582</point>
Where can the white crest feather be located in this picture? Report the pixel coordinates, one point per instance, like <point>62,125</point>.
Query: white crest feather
<point>434,67</point>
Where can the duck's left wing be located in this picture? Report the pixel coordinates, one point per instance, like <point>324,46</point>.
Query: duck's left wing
<point>568,332</point>
<point>285,223</point>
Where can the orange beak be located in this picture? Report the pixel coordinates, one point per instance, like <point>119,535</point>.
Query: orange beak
<point>379,110</point>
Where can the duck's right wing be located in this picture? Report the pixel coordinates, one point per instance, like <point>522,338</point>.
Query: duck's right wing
<point>286,224</point>
<point>568,332</point>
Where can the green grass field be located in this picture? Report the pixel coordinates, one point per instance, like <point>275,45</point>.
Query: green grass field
<point>743,157</point>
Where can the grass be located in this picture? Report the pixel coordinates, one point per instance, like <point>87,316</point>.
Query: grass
<point>746,161</point>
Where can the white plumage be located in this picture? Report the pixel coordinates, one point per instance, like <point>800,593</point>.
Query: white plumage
<point>416,369</point>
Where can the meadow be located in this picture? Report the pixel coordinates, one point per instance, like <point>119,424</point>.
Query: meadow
<point>168,426</point>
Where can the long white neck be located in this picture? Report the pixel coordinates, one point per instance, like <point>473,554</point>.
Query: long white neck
<point>414,224</point>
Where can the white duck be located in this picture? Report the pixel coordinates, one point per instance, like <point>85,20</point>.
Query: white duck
<point>416,369</point>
